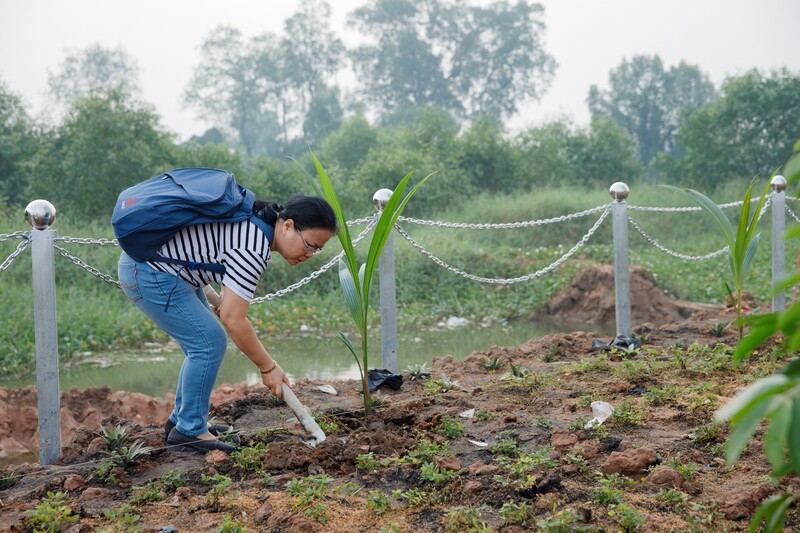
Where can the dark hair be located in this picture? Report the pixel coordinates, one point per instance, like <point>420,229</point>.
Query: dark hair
<point>305,211</point>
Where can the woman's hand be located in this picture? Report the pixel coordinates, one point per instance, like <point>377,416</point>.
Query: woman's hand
<point>274,380</point>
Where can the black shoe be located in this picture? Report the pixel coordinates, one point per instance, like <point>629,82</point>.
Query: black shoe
<point>179,442</point>
<point>215,429</point>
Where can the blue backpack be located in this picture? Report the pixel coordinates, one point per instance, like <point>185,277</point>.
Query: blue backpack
<point>148,214</point>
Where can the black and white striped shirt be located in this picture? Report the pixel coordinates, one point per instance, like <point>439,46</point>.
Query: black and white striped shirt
<point>240,246</point>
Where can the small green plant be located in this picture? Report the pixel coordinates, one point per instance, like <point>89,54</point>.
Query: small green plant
<point>378,503</point>
<point>627,413</point>
<point>629,518</point>
<point>467,519</point>
<point>115,438</point>
<point>149,493</point>
<point>516,515</point>
<point>554,352</point>
<point>418,372</point>
<point>492,364</point>
<point>308,489</point>
<point>451,427</point>
<point>129,455</point>
<point>425,450</point>
<point>433,474</point>
<point>368,461</point>
<point>442,384</point>
<point>518,371</point>
<point>415,497</point>
<point>483,415</point>
<point>231,436</point>
<point>561,522</point>
<point>172,479</point>
<point>506,445</point>
<point>125,518</point>
<point>52,513</point>
<point>250,458</point>
<point>8,480</point>
<point>543,423</point>
<point>318,513</point>
<point>228,525</point>
<point>717,328</point>
<point>348,488</point>
<point>608,490</point>
<point>219,488</point>
<point>672,499</point>
<point>708,433</point>
<point>577,460</point>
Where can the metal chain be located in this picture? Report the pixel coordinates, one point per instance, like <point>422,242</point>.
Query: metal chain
<point>667,251</point>
<point>508,281</point>
<point>90,269</point>
<point>793,198</point>
<point>509,225</point>
<point>15,235</point>
<point>712,255</point>
<point>684,209</point>
<point>82,240</point>
<point>10,259</point>
<point>373,220</point>
<point>791,213</point>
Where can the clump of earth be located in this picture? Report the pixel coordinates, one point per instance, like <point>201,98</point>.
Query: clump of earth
<point>498,440</point>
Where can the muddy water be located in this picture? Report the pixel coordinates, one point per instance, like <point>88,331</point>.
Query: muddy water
<point>155,374</point>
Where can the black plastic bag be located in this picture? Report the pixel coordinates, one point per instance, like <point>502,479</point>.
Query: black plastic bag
<point>620,341</point>
<point>378,377</point>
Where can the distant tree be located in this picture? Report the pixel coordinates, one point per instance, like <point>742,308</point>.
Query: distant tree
<point>324,116</point>
<point>17,144</point>
<point>746,132</point>
<point>470,60</point>
<point>93,69</point>
<point>105,143</point>
<point>648,102</point>
<point>347,147</point>
<point>559,153</point>
<point>261,88</point>
<point>485,157</point>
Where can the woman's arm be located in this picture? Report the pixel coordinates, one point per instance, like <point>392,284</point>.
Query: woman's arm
<point>233,314</point>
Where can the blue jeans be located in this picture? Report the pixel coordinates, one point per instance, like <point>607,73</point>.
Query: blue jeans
<point>190,321</point>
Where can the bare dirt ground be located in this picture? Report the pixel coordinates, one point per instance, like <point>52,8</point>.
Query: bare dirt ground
<point>469,449</point>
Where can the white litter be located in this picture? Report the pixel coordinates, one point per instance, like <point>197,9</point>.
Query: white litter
<point>468,414</point>
<point>327,389</point>
<point>478,443</point>
<point>456,322</point>
<point>601,411</point>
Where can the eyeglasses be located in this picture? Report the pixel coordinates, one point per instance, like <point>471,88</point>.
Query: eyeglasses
<point>313,250</point>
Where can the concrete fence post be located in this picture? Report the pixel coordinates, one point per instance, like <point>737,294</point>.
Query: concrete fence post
<point>778,186</point>
<point>622,274</point>
<point>40,215</point>
<point>387,292</point>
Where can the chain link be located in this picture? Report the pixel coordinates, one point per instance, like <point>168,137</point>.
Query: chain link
<point>685,209</point>
<point>90,269</point>
<point>791,213</point>
<point>10,259</point>
<point>508,225</point>
<point>667,251</point>
<point>15,235</point>
<point>712,255</point>
<point>83,240</point>
<point>373,220</point>
<point>507,281</point>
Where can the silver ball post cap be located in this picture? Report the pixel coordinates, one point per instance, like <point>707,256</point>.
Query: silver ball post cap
<point>381,198</point>
<point>778,183</point>
<point>618,191</point>
<point>40,214</point>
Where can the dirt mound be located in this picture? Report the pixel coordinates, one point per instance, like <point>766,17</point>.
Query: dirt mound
<point>589,299</point>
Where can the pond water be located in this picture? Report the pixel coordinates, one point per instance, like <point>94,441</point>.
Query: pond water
<point>155,374</point>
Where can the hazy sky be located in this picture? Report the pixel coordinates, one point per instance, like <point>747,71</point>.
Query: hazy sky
<point>587,38</point>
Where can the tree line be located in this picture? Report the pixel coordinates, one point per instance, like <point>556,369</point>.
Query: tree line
<point>438,80</point>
